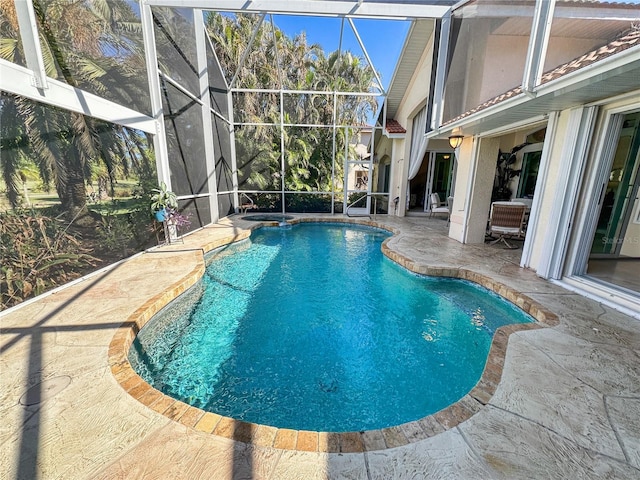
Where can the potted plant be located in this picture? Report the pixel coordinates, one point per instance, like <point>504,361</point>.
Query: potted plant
<point>176,218</point>
<point>505,173</point>
<point>161,201</point>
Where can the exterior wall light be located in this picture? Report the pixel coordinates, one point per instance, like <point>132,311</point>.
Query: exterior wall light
<point>455,141</point>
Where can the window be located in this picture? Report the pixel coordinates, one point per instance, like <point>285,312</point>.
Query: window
<point>361,179</point>
<point>529,174</point>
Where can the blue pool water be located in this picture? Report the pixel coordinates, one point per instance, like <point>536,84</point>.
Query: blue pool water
<point>312,328</point>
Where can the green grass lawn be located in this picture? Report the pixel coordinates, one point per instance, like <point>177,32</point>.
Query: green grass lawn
<point>36,198</point>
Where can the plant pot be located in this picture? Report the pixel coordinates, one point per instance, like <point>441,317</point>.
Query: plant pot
<point>171,232</point>
<point>160,215</point>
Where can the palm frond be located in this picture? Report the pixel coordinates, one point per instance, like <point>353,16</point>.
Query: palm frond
<point>9,49</point>
<point>12,146</point>
<point>90,69</point>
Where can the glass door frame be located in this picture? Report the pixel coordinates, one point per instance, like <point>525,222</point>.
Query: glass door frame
<point>431,170</point>
<point>623,207</point>
<point>598,190</point>
<point>360,208</point>
<point>574,272</point>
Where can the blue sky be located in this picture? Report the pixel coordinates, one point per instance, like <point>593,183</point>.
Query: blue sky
<point>383,39</point>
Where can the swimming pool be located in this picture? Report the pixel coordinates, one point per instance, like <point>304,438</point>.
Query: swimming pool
<point>312,328</point>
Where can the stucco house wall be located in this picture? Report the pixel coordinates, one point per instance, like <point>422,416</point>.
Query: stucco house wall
<point>414,99</point>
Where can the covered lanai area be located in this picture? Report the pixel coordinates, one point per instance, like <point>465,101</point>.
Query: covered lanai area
<point>222,110</point>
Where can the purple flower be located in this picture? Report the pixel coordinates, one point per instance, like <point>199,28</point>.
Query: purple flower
<point>178,219</point>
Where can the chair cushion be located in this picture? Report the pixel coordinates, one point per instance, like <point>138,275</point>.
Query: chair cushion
<point>505,230</point>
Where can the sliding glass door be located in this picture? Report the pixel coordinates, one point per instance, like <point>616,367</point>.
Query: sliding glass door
<point>614,256</point>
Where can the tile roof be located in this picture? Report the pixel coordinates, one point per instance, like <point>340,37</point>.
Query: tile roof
<point>620,44</point>
<point>627,40</point>
<point>394,127</point>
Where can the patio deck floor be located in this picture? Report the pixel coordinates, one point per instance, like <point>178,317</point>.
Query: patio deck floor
<point>567,405</point>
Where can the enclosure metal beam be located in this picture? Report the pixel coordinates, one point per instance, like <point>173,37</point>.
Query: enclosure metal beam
<point>366,55</point>
<point>282,159</point>
<point>247,50</point>
<point>187,93</point>
<point>33,83</point>
<point>234,160</point>
<point>207,123</point>
<point>215,55</point>
<point>308,92</point>
<point>406,10</point>
<point>441,71</point>
<point>17,80</point>
<point>333,147</point>
<point>30,42</point>
<point>538,42</point>
<point>153,77</point>
<point>275,46</point>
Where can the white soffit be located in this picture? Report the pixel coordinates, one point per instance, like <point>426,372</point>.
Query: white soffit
<point>413,49</point>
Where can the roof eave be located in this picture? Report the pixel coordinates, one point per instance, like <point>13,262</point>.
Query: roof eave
<point>394,135</point>
<point>559,94</point>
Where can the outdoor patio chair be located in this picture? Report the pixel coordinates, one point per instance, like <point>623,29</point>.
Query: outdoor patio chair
<point>247,203</point>
<point>437,206</point>
<point>507,220</point>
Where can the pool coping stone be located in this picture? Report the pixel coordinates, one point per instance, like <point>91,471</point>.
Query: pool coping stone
<point>312,441</point>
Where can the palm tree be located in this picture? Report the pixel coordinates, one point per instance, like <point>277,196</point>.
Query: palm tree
<point>12,135</point>
<point>87,45</point>
<point>275,58</point>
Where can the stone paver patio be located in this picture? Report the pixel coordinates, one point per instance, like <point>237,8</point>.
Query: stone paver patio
<point>567,404</point>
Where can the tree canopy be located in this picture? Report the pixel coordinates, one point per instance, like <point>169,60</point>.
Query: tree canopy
<point>95,46</point>
<point>275,61</point>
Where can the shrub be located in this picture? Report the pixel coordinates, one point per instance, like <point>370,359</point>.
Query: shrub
<point>302,203</point>
<point>36,253</point>
<point>115,233</point>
